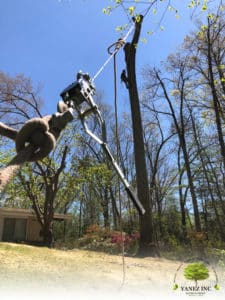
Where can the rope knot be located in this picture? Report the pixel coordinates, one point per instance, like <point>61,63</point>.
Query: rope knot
<point>34,141</point>
<point>117,45</point>
<point>35,133</point>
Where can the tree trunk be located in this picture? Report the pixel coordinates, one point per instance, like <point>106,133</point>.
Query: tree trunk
<point>47,235</point>
<point>216,103</point>
<point>47,227</point>
<point>105,208</point>
<point>203,156</point>
<point>180,129</point>
<point>191,184</point>
<point>147,245</point>
<point>115,211</point>
<point>182,198</point>
<point>80,218</point>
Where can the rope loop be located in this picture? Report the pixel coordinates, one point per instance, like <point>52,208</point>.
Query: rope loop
<point>34,141</point>
<point>35,132</point>
<point>117,45</point>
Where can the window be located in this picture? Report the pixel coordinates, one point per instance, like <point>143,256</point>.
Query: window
<point>14,230</point>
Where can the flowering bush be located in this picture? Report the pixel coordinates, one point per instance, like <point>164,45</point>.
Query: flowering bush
<point>97,233</point>
<point>130,241</point>
<point>103,239</point>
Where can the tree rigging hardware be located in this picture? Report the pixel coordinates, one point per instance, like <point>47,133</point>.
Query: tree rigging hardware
<point>79,96</point>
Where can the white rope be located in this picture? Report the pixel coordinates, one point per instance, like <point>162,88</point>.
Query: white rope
<point>114,52</point>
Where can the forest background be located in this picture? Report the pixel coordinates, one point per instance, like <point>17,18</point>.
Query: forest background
<point>182,108</point>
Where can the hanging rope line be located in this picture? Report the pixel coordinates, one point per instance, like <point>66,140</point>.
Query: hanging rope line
<point>113,53</point>
<point>117,46</point>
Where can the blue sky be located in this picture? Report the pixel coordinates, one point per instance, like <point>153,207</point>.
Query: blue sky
<point>50,40</point>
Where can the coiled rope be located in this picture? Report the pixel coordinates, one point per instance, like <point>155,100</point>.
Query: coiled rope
<point>34,141</point>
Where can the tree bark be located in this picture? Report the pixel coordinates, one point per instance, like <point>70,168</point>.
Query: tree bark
<point>147,246</point>
<point>182,197</point>
<point>216,102</point>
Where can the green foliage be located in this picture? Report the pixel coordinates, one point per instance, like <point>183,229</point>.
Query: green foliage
<point>217,287</point>
<point>196,271</point>
<point>5,154</point>
<point>198,240</point>
<point>93,173</point>
<point>218,256</point>
<point>202,3</point>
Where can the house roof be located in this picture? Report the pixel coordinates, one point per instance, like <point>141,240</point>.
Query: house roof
<point>25,213</point>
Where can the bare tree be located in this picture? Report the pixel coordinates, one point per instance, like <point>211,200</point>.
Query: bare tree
<point>19,100</point>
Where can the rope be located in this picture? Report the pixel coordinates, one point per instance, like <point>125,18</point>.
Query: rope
<point>117,45</point>
<point>14,165</point>
<point>113,53</point>
<point>36,133</point>
<point>35,140</point>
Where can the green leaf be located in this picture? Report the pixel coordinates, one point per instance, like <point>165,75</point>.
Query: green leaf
<point>138,19</point>
<point>204,7</point>
<point>107,10</point>
<point>131,10</point>
<point>216,287</point>
<point>221,67</point>
<point>119,28</point>
<point>150,32</point>
<point>144,40</point>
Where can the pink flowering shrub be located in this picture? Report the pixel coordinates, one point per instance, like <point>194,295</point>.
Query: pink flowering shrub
<point>130,240</point>
<point>103,239</point>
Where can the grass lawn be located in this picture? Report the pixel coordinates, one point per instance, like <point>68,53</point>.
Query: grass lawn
<point>27,271</point>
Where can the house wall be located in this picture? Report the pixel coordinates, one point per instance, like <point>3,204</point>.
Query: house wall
<point>1,227</point>
<point>20,228</point>
<point>33,230</point>
<point>33,227</point>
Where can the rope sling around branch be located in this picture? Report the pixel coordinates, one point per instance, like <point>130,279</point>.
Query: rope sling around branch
<point>113,53</point>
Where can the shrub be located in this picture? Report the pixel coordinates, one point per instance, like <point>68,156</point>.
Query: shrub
<point>95,232</point>
<point>103,239</point>
<point>130,241</point>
